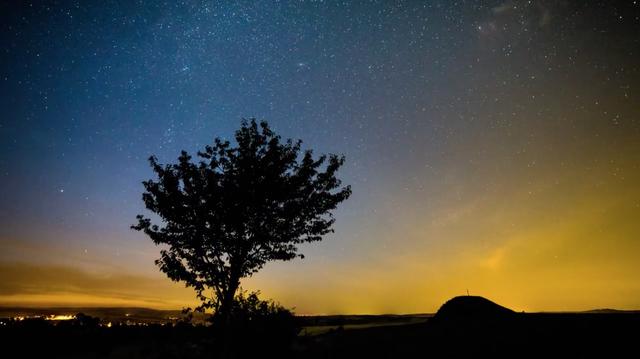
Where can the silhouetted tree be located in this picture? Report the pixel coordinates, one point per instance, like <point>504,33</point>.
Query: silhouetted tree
<point>84,320</point>
<point>238,208</point>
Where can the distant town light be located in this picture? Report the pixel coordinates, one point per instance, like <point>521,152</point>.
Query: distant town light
<point>60,317</point>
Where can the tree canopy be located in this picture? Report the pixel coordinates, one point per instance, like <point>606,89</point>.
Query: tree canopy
<point>239,206</point>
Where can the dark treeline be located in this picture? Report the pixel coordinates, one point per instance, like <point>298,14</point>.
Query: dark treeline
<point>573,335</point>
<point>87,337</point>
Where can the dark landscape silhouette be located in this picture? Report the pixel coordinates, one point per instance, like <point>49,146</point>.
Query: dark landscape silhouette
<point>465,326</point>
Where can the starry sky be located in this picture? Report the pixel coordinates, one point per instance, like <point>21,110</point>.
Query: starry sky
<point>492,146</point>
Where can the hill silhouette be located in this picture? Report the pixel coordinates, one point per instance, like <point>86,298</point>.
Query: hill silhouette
<point>471,308</point>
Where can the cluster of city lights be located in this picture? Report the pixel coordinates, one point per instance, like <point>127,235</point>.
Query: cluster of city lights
<point>66,317</point>
<point>60,317</point>
<point>56,317</point>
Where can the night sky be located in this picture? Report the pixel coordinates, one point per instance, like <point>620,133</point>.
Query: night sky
<point>491,146</point>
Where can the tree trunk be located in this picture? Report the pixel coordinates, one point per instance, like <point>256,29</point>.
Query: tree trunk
<point>226,307</point>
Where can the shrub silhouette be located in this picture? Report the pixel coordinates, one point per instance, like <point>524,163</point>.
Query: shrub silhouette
<point>259,326</point>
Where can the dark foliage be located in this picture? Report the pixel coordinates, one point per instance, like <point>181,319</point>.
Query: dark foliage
<point>251,313</point>
<point>44,339</point>
<point>260,327</point>
<point>237,208</point>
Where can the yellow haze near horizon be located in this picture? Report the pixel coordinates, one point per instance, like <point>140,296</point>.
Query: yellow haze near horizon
<point>547,240</point>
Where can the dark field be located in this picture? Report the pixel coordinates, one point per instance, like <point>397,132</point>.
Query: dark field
<point>568,335</point>
<point>571,335</point>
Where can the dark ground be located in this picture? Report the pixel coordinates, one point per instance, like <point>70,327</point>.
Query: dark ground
<point>578,335</point>
<point>569,335</point>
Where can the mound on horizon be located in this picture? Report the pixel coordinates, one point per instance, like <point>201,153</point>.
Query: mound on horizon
<point>472,308</point>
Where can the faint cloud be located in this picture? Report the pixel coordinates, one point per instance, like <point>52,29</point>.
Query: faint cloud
<point>495,259</point>
<point>453,216</point>
<point>503,7</point>
<point>21,282</point>
<point>514,18</point>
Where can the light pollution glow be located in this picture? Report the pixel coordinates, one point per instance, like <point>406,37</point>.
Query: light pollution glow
<point>558,243</point>
<point>492,147</point>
